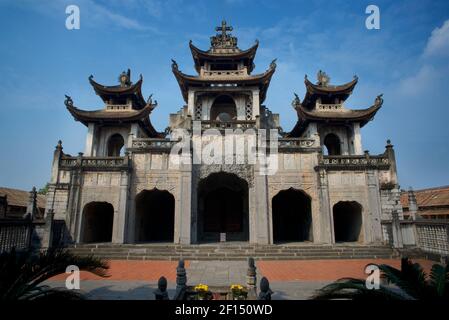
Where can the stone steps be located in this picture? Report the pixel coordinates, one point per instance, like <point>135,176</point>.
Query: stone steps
<point>232,252</point>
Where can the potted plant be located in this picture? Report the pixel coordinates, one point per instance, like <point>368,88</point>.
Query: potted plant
<point>202,291</point>
<point>239,292</point>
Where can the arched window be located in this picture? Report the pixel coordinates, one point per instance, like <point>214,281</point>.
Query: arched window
<point>223,109</point>
<point>332,145</point>
<point>116,146</point>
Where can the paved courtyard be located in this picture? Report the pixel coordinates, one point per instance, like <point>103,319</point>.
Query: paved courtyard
<point>297,279</point>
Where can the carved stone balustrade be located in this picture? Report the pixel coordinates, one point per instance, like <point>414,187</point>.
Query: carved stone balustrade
<point>95,163</point>
<point>354,162</point>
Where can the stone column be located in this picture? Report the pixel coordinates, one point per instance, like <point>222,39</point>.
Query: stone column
<point>357,139</point>
<point>372,225</point>
<point>55,165</point>
<point>256,103</point>
<point>259,231</point>
<point>184,220</point>
<point>191,103</point>
<point>412,204</point>
<point>120,225</point>
<point>327,230</point>
<point>389,151</point>
<point>88,151</point>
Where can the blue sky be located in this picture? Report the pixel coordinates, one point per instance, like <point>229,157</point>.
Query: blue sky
<point>407,60</point>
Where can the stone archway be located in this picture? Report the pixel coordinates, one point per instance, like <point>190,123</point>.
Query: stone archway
<point>98,218</point>
<point>155,216</point>
<point>347,217</point>
<point>223,208</point>
<point>292,216</point>
<point>223,109</point>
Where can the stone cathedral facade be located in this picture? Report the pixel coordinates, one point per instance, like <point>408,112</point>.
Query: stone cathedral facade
<point>124,188</point>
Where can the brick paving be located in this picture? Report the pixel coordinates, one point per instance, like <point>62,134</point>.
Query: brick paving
<point>203,271</point>
<point>324,270</point>
<point>127,270</point>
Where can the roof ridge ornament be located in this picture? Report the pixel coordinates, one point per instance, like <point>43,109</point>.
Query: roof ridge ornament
<point>68,101</point>
<point>296,101</point>
<point>379,100</point>
<point>222,39</point>
<point>322,78</point>
<point>125,78</point>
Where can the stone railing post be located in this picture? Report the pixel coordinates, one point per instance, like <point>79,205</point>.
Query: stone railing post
<point>181,281</point>
<point>265,291</point>
<point>161,292</point>
<point>251,279</point>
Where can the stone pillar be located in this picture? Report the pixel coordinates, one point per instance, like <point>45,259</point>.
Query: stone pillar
<point>32,210</point>
<point>74,213</point>
<point>358,150</point>
<point>184,220</point>
<point>256,103</point>
<point>327,230</point>
<point>396,230</point>
<point>389,151</point>
<point>191,103</point>
<point>373,214</point>
<point>55,165</point>
<point>412,204</point>
<point>260,230</point>
<point>90,140</point>
<point>251,279</point>
<point>133,133</point>
<point>120,224</point>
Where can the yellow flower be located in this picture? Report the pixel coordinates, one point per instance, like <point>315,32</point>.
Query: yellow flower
<point>236,287</point>
<point>201,287</point>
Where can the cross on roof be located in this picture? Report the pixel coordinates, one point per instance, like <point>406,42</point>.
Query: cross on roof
<point>223,29</point>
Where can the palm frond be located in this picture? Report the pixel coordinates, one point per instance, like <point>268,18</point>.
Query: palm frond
<point>439,279</point>
<point>411,278</point>
<point>356,289</point>
<point>21,273</point>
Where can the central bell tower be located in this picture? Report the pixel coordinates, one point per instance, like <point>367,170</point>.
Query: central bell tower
<point>224,93</point>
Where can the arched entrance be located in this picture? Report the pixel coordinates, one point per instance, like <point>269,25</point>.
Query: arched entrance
<point>223,208</point>
<point>332,145</point>
<point>223,109</point>
<point>98,220</point>
<point>155,216</point>
<point>292,216</point>
<point>347,221</point>
<point>116,145</point>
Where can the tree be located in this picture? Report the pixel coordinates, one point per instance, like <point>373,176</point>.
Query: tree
<point>43,190</point>
<point>410,282</point>
<point>22,273</point>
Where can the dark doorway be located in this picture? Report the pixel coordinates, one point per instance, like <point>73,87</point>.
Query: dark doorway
<point>223,208</point>
<point>116,146</point>
<point>292,216</point>
<point>347,221</point>
<point>332,144</point>
<point>223,109</point>
<point>98,220</point>
<point>155,216</point>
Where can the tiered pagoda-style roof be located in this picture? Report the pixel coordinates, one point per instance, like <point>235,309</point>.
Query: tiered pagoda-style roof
<point>324,103</point>
<point>224,64</point>
<point>124,103</point>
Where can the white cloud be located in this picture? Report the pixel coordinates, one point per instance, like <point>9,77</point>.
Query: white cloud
<point>438,43</point>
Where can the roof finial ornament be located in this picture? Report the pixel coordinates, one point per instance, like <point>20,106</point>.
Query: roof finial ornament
<point>223,39</point>
<point>273,64</point>
<point>296,101</point>
<point>125,78</point>
<point>323,78</point>
<point>174,65</point>
<point>68,101</point>
<point>379,100</point>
